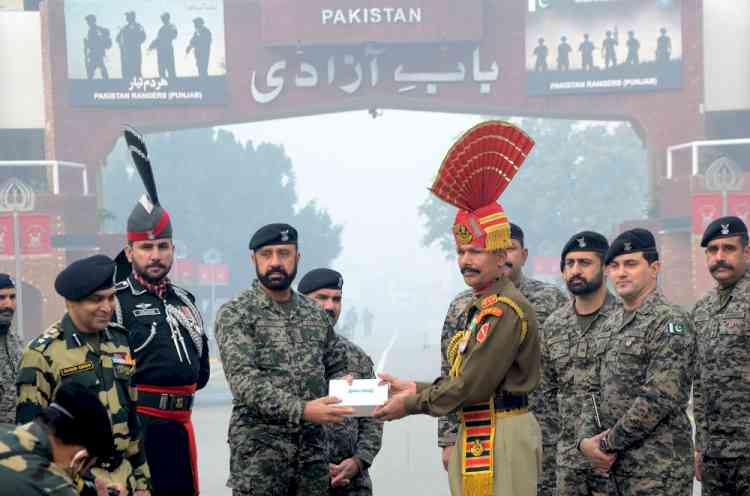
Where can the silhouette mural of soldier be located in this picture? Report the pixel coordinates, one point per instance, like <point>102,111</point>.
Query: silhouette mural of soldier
<point>130,38</point>
<point>587,53</point>
<point>164,48</point>
<point>95,45</point>
<point>663,47</point>
<point>200,44</point>
<point>609,49</point>
<point>633,46</point>
<point>563,54</point>
<point>540,52</point>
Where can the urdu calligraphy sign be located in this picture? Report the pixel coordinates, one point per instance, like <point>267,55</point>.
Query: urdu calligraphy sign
<point>414,70</point>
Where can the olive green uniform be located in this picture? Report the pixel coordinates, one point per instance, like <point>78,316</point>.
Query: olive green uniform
<point>501,358</point>
<point>62,354</point>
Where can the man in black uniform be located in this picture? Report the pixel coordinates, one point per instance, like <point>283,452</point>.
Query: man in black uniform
<point>164,48</point>
<point>130,38</point>
<point>167,337</point>
<point>95,45</point>
<point>200,43</point>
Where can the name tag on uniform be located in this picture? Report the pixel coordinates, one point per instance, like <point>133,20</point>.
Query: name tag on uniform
<point>76,369</point>
<point>146,310</point>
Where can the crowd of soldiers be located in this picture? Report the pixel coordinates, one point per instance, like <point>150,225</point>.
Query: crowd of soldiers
<point>662,55</point>
<point>539,393</point>
<point>130,40</point>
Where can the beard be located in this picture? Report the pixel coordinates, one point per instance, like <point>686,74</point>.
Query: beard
<point>277,284</point>
<point>142,271</point>
<point>580,286</point>
<point>6,319</point>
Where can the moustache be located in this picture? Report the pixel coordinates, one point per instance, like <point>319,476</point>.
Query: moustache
<point>578,279</point>
<point>156,265</point>
<point>331,313</point>
<point>721,264</point>
<point>467,270</point>
<point>6,311</point>
<point>277,270</point>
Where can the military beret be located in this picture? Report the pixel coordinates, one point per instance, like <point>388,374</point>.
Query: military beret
<point>84,277</point>
<point>6,281</point>
<point>273,234</point>
<point>632,241</point>
<point>584,241</point>
<point>516,233</point>
<point>320,279</point>
<point>723,227</point>
<point>86,416</point>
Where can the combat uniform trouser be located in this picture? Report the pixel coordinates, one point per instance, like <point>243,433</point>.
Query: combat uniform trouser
<point>123,475</point>
<point>580,482</point>
<point>517,460</point>
<point>277,466</point>
<point>726,476</point>
<point>667,480</point>
<point>548,479</point>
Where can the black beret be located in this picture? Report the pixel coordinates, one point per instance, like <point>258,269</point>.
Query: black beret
<point>632,241</point>
<point>584,241</point>
<point>84,277</point>
<point>723,227</point>
<point>516,233</point>
<point>320,279</point>
<point>6,281</point>
<point>87,416</point>
<point>273,234</point>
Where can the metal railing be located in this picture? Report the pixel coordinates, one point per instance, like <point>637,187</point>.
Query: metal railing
<point>694,147</point>
<point>54,166</point>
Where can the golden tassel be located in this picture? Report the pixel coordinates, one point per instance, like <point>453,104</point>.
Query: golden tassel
<point>498,237</point>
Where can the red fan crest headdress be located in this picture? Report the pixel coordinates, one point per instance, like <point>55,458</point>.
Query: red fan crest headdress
<point>473,175</point>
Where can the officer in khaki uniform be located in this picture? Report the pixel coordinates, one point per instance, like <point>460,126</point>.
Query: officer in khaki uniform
<point>722,387</point>
<point>86,348</point>
<point>495,359</point>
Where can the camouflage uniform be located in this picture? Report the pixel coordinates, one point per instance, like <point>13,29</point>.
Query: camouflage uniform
<point>10,354</point>
<point>26,463</point>
<point>567,361</point>
<point>641,381</point>
<point>360,437</point>
<point>448,426</point>
<point>545,299</point>
<point>722,387</point>
<point>62,354</point>
<point>276,358</point>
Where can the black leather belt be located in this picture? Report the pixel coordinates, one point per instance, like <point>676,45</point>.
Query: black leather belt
<point>165,401</point>
<point>507,401</point>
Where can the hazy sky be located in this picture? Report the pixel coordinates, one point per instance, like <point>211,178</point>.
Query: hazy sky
<point>372,175</point>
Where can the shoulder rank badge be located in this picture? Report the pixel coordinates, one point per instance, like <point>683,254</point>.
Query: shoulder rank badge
<point>488,301</point>
<point>483,332</point>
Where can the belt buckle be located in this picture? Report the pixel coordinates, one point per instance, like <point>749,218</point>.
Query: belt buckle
<point>179,402</point>
<point>163,401</point>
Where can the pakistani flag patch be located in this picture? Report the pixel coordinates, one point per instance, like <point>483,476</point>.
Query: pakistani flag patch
<point>676,328</point>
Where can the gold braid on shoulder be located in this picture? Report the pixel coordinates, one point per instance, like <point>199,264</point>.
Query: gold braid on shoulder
<point>512,304</point>
<point>454,357</point>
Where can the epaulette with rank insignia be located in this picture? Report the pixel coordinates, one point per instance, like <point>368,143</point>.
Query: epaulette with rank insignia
<point>124,284</point>
<point>42,342</point>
